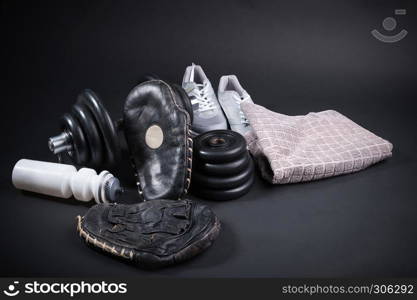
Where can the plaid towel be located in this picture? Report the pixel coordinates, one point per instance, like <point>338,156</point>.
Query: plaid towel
<point>291,149</point>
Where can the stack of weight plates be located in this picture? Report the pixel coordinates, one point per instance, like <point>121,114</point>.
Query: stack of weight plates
<point>222,166</point>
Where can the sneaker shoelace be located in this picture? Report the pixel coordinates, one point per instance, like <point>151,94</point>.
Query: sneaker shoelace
<point>200,93</point>
<point>239,100</point>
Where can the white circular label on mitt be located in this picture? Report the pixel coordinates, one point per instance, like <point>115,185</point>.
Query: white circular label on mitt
<point>154,137</point>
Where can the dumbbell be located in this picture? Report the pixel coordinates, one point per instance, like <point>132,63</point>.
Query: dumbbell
<point>222,166</point>
<point>89,135</point>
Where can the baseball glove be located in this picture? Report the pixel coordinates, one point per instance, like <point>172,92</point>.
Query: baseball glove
<point>150,234</point>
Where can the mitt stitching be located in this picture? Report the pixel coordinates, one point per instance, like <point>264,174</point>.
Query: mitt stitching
<point>125,253</point>
<point>189,143</point>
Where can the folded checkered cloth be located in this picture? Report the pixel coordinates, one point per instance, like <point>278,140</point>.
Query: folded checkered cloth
<point>291,149</point>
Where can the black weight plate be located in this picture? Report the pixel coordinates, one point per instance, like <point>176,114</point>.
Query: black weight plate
<point>223,169</point>
<point>79,153</point>
<point>104,123</point>
<point>222,195</point>
<point>88,126</point>
<point>219,146</point>
<point>222,182</point>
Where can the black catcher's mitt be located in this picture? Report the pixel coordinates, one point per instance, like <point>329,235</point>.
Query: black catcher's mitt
<point>151,234</point>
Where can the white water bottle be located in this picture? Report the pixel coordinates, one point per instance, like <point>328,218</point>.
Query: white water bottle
<point>63,181</point>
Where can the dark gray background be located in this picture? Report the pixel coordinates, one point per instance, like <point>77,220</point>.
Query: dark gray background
<point>292,56</point>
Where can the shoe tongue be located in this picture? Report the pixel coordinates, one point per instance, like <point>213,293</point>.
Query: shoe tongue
<point>189,86</point>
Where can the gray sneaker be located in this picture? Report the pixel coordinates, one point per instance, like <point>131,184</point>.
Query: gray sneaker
<point>208,114</point>
<point>231,94</point>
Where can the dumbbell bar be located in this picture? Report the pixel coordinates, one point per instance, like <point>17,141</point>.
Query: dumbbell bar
<point>88,134</point>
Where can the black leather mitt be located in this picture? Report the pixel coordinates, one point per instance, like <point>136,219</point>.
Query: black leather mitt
<point>151,234</point>
<point>156,126</point>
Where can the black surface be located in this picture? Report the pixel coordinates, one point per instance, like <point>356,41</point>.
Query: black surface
<point>293,57</point>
